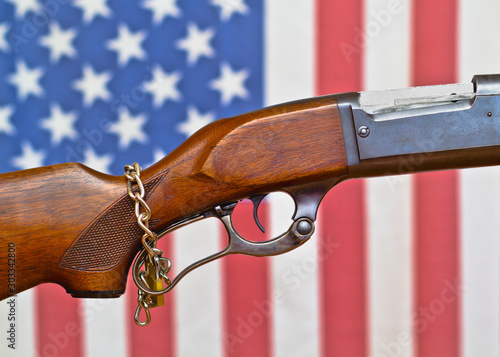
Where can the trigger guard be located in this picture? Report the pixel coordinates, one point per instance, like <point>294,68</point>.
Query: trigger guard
<point>307,198</point>
<point>299,232</point>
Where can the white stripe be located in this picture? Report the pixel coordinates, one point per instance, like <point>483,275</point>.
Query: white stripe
<point>479,47</point>
<point>289,50</point>
<point>387,50</point>
<point>295,290</point>
<point>289,74</point>
<point>479,50</point>
<point>390,266</point>
<point>387,65</point>
<point>480,193</point>
<point>24,325</point>
<point>198,309</point>
<point>105,333</point>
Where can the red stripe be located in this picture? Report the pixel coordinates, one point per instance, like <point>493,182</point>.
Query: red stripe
<point>339,46</point>
<point>343,278</point>
<point>59,322</point>
<point>247,303</point>
<point>342,240</point>
<point>437,264</point>
<point>437,328</point>
<point>434,42</point>
<point>158,338</point>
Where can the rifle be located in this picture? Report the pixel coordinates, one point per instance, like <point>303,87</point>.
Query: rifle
<point>71,225</point>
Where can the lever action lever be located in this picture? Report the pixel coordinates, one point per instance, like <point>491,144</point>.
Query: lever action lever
<point>299,232</point>
<point>307,199</point>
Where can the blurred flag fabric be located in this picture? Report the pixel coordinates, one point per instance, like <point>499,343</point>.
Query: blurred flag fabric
<point>399,266</point>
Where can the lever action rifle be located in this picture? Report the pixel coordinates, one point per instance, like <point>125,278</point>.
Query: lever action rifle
<point>86,227</point>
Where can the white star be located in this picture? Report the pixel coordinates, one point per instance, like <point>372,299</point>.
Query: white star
<point>129,128</point>
<point>230,84</point>
<point>5,124</point>
<point>162,9</point>
<point>25,6</point>
<point>93,160</point>
<point>29,157</point>
<point>128,45</point>
<point>60,124</point>
<point>163,86</point>
<point>26,80</point>
<point>228,7</point>
<point>195,121</point>
<point>93,8</point>
<point>93,85</point>
<point>58,41</point>
<point>4,28</point>
<point>158,154</point>
<point>197,43</point>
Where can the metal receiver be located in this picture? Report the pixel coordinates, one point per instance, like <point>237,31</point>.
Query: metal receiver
<point>421,120</point>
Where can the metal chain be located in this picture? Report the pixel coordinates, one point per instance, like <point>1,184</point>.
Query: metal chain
<point>153,259</point>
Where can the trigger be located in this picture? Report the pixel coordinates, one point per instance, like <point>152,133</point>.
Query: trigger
<point>256,200</point>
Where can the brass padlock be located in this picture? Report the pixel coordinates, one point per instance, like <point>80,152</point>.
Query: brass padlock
<point>154,282</point>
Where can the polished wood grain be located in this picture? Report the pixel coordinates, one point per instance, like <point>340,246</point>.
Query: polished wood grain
<point>76,227</point>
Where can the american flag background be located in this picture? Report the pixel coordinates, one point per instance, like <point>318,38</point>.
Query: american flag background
<point>399,266</point>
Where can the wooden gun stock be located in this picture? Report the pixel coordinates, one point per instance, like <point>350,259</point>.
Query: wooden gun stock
<point>76,227</point>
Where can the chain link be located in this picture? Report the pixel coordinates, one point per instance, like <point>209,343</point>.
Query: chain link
<point>153,259</point>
